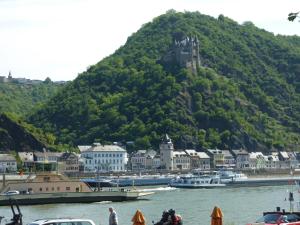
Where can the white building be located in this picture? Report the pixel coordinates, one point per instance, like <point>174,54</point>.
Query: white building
<point>104,158</point>
<point>8,163</point>
<point>257,160</point>
<point>272,161</point>
<point>181,161</point>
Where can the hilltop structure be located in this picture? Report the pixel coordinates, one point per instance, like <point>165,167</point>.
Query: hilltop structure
<point>185,53</point>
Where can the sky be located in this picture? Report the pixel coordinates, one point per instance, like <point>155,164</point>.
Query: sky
<point>62,38</point>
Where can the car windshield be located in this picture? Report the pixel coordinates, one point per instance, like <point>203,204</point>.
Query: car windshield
<point>269,218</point>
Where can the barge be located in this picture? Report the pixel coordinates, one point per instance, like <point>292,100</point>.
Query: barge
<point>47,188</point>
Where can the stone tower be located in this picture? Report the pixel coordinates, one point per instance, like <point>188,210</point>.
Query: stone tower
<point>166,152</point>
<point>185,53</point>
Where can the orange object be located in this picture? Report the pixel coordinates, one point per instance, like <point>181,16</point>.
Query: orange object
<point>217,216</point>
<point>138,218</point>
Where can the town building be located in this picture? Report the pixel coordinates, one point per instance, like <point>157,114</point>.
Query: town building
<point>68,163</point>
<point>181,160</point>
<point>104,158</point>
<point>143,160</point>
<point>229,161</point>
<point>217,158</point>
<point>257,161</point>
<point>272,161</point>
<point>198,160</point>
<point>8,163</point>
<point>241,157</point>
<point>46,157</point>
<point>27,160</point>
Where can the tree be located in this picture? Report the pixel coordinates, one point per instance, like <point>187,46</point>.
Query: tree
<point>293,16</point>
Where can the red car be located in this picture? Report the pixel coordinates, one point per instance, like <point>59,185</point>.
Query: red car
<point>278,218</point>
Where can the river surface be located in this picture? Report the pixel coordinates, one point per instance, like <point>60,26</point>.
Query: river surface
<point>239,206</point>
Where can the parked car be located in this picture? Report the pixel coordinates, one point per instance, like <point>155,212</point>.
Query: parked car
<point>13,192</point>
<point>62,221</point>
<point>278,218</point>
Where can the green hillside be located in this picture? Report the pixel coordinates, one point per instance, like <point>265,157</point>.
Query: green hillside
<point>22,98</point>
<point>17,135</point>
<point>244,94</point>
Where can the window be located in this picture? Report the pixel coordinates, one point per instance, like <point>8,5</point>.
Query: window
<point>57,188</point>
<point>41,189</point>
<point>68,188</point>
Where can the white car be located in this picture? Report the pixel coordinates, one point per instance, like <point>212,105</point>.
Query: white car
<point>62,221</point>
<point>11,193</point>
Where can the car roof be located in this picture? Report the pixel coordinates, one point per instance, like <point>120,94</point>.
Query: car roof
<point>60,220</point>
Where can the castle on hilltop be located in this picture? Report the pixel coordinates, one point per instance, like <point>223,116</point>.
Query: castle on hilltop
<point>185,53</point>
<point>8,79</point>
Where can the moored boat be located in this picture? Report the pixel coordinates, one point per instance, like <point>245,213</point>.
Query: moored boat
<point>125,181</point>
<point>197,181</point>
<point>228,176</point>
<point>45,188</point>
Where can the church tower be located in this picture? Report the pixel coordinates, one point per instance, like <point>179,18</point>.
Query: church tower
<point>166,152</point>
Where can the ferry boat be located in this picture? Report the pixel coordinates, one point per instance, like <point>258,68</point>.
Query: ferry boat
<point>45,188</point>
<point>197,181</point>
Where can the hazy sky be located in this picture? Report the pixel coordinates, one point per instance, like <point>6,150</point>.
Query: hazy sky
<point>61,38</point>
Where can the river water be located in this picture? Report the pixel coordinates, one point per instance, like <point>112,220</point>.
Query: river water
<point>239,206</point>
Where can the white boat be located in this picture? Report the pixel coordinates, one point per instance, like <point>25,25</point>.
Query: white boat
<point>228,176</point>
<point>197,181</point>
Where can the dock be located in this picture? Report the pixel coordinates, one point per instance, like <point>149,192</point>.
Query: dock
<point>264,181</point>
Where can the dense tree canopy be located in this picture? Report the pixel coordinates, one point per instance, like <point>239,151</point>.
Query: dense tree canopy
<point>245,94</point>
<point>22,98</point>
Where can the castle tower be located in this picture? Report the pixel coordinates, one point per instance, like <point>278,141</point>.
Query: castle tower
<point>187,53</point>
<point>166,152</point>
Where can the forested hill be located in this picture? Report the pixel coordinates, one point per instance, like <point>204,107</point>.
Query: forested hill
<point>21,99</point>
<point>16,135</point>
<point>245,94</point>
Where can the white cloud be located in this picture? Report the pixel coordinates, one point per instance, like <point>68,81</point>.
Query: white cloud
<point>62,38</point>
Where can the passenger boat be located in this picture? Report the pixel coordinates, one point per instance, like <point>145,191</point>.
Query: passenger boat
<point>45,188</point>
<point>228,176</point>
<point>197,181</point>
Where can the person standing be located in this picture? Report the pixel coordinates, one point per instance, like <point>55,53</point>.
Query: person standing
<point>113,219</point>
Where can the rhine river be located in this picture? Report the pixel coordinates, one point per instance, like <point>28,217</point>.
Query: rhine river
<point>239,206</point>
